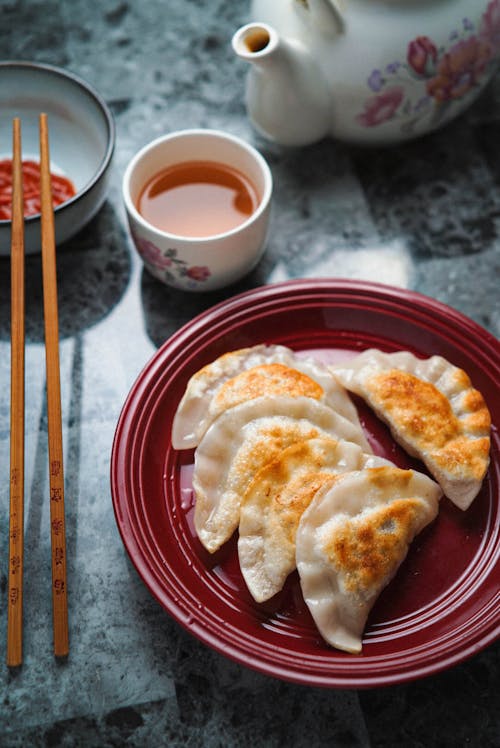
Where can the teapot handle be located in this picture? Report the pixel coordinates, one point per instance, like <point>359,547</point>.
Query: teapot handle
<point>339,13</point>
<point>327,15</point>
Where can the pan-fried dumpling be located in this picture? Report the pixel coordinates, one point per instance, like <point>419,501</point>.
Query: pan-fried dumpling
<point>240,442</point>
<point>306,378</point>
<point>241,375</point>
<point>351,541</point>
<point>433,411</point>
<point>275,501</point>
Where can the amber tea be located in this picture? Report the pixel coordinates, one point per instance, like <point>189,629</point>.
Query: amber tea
<point>198,199</point>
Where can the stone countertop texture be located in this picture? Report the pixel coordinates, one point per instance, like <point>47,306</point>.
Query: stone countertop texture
<point>425,216</point>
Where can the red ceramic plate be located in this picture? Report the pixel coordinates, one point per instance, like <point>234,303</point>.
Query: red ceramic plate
<point>443,605</point>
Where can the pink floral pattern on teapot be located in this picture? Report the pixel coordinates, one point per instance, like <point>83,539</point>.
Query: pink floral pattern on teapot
<point>448,74</point>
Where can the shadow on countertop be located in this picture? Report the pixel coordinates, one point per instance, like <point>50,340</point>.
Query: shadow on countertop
<point>93,271</point>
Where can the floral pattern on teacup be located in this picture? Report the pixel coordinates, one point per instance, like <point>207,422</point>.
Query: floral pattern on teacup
<point>169,266</point>
<point>432,78</point>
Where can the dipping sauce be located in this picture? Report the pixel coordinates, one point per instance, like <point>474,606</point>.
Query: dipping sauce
<point>62,188</point>
<point>198,199</point>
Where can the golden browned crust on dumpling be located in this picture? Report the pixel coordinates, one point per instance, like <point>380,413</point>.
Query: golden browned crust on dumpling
<point>424,411</point>
<point>240,441</point>
<point>266,379</point>
<point>367,549</point>
<point>464,458</point>
<point>291,479</point>
<point>215,524</point>
<point>351,541</point>
<point>270,444</point>
<point>274,370</point>
<point>433,411</point>
<point>424,418</point>
<point>416,406</point>
<point>292,496</point>
<point>275,500</point>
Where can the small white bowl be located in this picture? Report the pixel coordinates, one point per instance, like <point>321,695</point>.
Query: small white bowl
<point>194,263</point>
<point>81,141</point>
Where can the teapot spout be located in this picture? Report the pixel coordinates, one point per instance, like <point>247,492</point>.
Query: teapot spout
<point>286,96</point>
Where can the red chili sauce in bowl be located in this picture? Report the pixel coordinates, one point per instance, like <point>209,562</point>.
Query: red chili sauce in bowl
<point>62,188</point>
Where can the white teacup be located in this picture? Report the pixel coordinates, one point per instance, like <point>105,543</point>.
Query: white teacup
<point>189,262</point>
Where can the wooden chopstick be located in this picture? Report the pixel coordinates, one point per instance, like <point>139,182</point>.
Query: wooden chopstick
<point>16,515</point>
<point>56,471</point>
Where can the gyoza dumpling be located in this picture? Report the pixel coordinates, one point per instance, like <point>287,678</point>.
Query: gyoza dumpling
<point>240,442</point>
<point>275,501</point>
<point>241,375</point>
<point>351,541</point>
<point>433,412</point>
<point>302,378</point>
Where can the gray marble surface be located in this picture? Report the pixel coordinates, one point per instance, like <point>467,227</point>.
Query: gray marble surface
<point>424,216</point>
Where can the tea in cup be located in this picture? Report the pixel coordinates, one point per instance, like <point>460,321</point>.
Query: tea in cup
<point>198,206</point>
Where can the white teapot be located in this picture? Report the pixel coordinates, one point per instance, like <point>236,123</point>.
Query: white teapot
<point>365,71</point>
